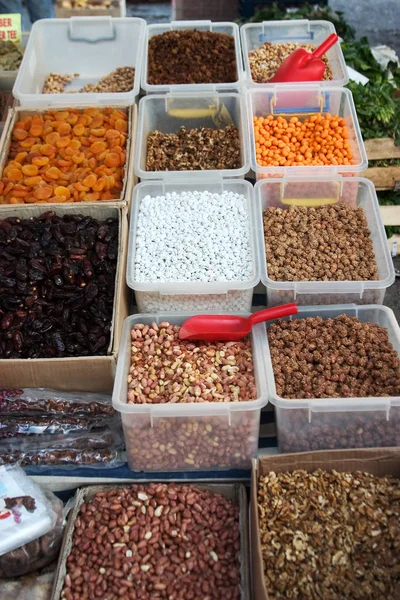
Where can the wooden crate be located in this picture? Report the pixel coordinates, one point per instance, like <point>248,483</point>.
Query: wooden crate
<point>384,178</point>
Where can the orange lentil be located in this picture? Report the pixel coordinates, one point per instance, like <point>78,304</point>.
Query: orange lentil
<point>318,140</point>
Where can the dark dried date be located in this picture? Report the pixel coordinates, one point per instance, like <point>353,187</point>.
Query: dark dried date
<point>21,426</point>
<point>12,402</point>
<point>57,278</point>
<point>58,457</point>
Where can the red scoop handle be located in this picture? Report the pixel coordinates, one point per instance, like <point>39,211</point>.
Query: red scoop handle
<point>324,47</point>
<point>275,312</point>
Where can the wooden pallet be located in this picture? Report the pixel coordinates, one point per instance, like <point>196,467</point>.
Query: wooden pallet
<point>384,178</point>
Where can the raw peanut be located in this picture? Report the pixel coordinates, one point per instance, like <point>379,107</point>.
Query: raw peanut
<point>156,564</point>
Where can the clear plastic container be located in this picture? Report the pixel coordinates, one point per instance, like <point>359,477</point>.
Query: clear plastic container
<point>90,46</point>
<point>224,296</point>
<point>254,35</point>
<point>353,191</point>
<point>207,436</point>
<point>228,28</point>
<point>302,101</point>
<point>168,112</point>
<point>7,78</point>
<point>334,423</point>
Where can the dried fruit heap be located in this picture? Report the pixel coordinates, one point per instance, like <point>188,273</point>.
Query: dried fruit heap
<point>335,358</point>
<point>324,243</point>
<point>66,156</point>
<point>330,535</point>
<point>57,281</point>
<point>190,56</point>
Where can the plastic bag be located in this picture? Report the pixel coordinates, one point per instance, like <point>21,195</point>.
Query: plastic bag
<point>19,426</point>
<point>39,552</point>
<point>42,401</point>
<point>25,512</point>
<point>95,449</point>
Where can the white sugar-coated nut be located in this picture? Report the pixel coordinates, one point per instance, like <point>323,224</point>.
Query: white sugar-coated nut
<point>158,511</point>
<point>193,237</point>
<point>148,535</point>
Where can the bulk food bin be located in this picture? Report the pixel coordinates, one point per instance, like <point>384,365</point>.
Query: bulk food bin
<point>219,296</point>
<point>254,35</point>
<point>89,46</point>
<point>303,101</point>
<point>168,112</point>
<point>194,436</point>
<point>7,78</point>
<point>335,423</point>
<point>352,191</point>
<point>157,29</point>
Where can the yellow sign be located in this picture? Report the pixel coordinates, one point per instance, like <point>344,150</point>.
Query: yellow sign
<point>10,28</point>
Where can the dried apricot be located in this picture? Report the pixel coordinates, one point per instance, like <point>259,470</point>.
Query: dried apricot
<point>20,134</point>
<point>53,173</point>
<point>79,130</point>
<point>15,174</point>
<point>30,170</point>
<point>63,142</point>
<point>112,160</point>
<point>64,129</point>
<point>47,149</point>
<point>62,191</point>
<point>98,147</point>
<point>51,138</point>
<point>40,161</point>
<point>43,192</point>
<point>61,115</point>
<point>121,125</point>
<point>32,181</point>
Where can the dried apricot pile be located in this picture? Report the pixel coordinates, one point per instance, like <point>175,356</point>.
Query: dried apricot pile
<point>66,156</point>
<point>319,140</point>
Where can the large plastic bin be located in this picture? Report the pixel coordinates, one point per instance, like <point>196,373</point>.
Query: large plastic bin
<point>302,101</point>
<point>229,28</point>
<point>224,296</point>
<point>168,112</point>
<point>189,437</point>
<point>353,191</point>
<point>90,46</point>
<point>254,35</point>
<point>334,423</point>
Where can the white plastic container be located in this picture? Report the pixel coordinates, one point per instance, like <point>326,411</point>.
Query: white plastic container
<point>207,436</point>
<point>254,35</point>
<point>90,46</point>
<point>353,191</point>
<point>229,28</point>
<point>7,78</point>
<point>224,296</point>
<point>333,423</point>
<point>302,101</point>
<point>168,112</point>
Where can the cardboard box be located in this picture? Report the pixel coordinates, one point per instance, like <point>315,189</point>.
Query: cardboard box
<point>379,462</point>
<point>14,114</point>
<point>235,492</point>
<point>92,374</point>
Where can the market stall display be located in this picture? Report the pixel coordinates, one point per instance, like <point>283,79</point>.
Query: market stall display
<point>333,375</point>
<point>83,46</point>
<point>204,412</point>
<point>206,255</point>
<point>194,56</point>
<point>186,537</point>
<point>323,241</point>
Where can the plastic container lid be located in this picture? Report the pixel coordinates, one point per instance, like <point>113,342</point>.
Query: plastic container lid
<point>253,35</point>
<point>228,28</point>
<point>25,513</point>
<point>90,46</point>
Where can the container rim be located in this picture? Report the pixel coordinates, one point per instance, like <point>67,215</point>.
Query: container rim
<point>259,348</point>
<point>370,403</point>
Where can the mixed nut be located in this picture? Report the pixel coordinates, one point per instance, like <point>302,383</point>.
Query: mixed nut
<point>57,282</point>
<point>68,155</point>
<point>191,56</point>
<point>266,60</point>
<point>329,535</point>
<point>119,81</point>
<point>162,541</point>
<point>323,243</point>
<point>194,149</point>
<point>165,369</point>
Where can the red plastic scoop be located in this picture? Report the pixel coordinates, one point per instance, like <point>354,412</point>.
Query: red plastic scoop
<point>304,66</point>
<point>227,328</point>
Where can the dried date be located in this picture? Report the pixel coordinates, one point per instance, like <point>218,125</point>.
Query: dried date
<point>19,402</point>
<point>56,272</point>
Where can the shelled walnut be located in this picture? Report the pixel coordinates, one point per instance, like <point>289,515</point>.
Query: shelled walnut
<point>330,535</point>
